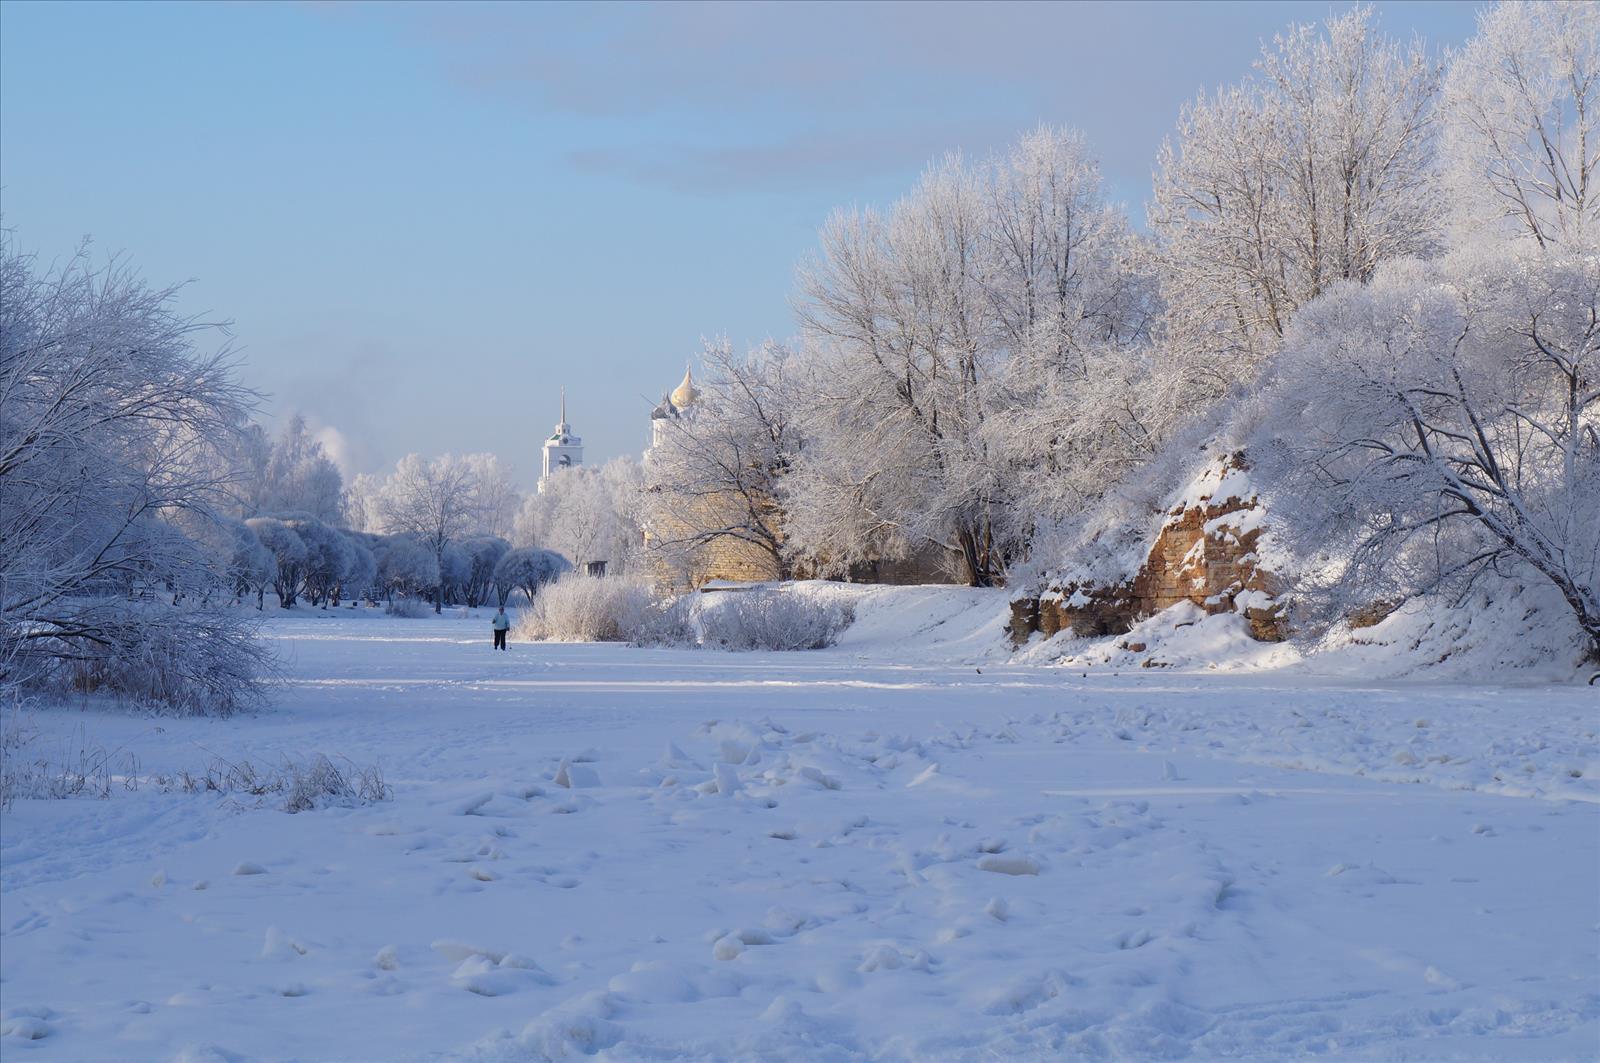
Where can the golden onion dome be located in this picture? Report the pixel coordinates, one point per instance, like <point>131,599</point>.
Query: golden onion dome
<point>685,393</point>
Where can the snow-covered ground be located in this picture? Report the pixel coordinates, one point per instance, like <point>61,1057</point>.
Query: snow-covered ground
<point>854,853</point>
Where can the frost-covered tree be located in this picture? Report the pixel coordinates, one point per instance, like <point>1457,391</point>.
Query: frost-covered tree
<point>937,338</point>
<point>483,554</point>
<point>298,477</point>
<point>1075,406</point>
<point>455,569</point>
<point>360,504</point>
<point>1314,171</point>
<point>289,556</point>
<point>715,473</point>
<point>1442,424</point>
<point>496,497</point>
<point>1521,107</point>
<point>527,568</point>
<point>439,501</point>
<point>435,501</point>
<point>359,577</point>
<point>117,444</point>
<point>331,559</point>
<point>251,566</point>
<point>587,514</point>
<point>406,567</point>
<point>895,312</point>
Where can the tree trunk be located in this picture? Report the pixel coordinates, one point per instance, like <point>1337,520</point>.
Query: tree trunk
<point>977,576</point>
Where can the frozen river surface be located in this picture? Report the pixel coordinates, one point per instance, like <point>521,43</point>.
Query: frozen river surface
<point>813,857</point>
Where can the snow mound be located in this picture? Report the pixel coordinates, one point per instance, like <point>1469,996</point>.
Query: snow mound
<point>942,624</point>
<point>1517,630</point>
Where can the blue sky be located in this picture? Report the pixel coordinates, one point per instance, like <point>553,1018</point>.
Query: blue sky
<point>423,220</point>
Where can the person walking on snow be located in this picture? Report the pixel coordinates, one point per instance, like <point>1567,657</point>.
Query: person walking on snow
<point>501,625</point>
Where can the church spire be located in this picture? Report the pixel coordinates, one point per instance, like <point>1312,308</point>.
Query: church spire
<point>562,450</point>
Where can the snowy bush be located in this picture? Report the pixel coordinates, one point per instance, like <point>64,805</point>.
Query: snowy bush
<point>117,440</point>
<point>527,568</point>
<point>772,620</point>
<point>1437,427</point>
<point>408,608</point>
<point>194,661</point>
<point>589,609</point>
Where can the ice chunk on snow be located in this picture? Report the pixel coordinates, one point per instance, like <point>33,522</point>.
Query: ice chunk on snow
<point>786,921</point>
<point>279,946</point>
<point>727,779</point>
<point>472,805</point>
<point>838,980</point>
<point>1433,976</point>
<point>783,1009</point>
<point>457,951</point>
<point>580,1026</point>
<point>249,868</point>
<point>818,776</point>
<point>884,956</point>
<point>576,776</point>
<point>674,757</point>
<point>1009,864</point>
<point>488,978</point>
<point>727,947</point>
<point>1019,995</point>
<point>519,962</point>
<point>998,909</point>
<point>659,982</point>
<point>387,959</point>
<point>206,1054</point>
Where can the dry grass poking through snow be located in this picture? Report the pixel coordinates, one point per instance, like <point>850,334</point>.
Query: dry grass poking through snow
<point>82,768</point>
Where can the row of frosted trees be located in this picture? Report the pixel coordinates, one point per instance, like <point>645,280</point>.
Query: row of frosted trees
<point>1371,267</point>
<point>298,558</point>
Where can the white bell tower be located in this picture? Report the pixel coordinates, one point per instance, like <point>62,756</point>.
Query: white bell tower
<point>562,450</point>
